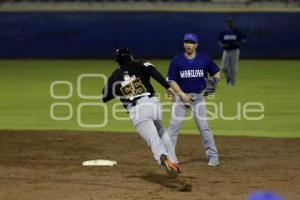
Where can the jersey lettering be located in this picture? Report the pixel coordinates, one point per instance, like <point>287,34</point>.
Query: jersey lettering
<point>230,37</point>
<point>132,87</point>
<point>192,73</point>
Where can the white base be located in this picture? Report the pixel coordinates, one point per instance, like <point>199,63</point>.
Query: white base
<point>99,163</point>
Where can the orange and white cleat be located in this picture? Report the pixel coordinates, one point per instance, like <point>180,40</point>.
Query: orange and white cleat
<point>169,166</point>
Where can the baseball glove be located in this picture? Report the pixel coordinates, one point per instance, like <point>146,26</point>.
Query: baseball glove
<point>211,87</point>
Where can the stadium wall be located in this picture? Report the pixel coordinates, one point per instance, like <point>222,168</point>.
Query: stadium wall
<point>149,34</point>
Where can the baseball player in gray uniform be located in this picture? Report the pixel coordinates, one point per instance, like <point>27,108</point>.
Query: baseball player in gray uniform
<point>131,83</point>
<point>188,74</point>
<point>230,41</point>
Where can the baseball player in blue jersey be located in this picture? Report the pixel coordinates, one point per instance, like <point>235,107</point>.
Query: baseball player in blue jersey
<point>230,41</point>
<point>188,74</point>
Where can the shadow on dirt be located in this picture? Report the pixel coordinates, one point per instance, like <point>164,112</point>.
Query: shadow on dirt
<point>163,180</point>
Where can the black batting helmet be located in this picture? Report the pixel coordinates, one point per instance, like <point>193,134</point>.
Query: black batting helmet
<point>123,55</point>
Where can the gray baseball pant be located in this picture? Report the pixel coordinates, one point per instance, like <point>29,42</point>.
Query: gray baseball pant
<point>199,113</point>
<point>230,60</point>
<point>146,116</point>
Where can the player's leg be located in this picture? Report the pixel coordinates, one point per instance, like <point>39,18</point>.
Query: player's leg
<point>199,111</point>
<point>166,140</point>
<point>234,65</point>
<point>226,65</point>
<point>142,116</point>
<point>163,133</point>
<point>149,133</point>
<point>178,114</point>
<point>230,66</point>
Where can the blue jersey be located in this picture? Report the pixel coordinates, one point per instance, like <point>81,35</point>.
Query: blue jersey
<point>191,75</point>
<point>231,38</point>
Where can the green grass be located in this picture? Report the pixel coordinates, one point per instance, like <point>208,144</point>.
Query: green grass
<point>25,97</point>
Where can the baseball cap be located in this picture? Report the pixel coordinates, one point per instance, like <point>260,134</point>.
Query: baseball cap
<point>190,37</point>
<point>265,196</point>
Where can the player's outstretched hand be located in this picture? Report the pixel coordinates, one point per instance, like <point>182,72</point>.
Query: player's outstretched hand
<point>186,99</point>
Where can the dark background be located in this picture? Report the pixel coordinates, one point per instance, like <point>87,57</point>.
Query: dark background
<point>148,34</point>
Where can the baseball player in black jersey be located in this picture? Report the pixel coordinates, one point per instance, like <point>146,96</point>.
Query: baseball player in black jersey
<point>131,83</point>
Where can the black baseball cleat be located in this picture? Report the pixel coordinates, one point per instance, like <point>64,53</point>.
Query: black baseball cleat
<point>169,166</point>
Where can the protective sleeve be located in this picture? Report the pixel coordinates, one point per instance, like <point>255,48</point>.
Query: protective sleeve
<point>154,73</point>
<point>107,93</point>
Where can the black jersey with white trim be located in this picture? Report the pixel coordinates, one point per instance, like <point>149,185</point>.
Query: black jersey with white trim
<point>132,81</point>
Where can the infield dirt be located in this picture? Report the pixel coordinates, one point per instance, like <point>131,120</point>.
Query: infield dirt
<point>47,165</point>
